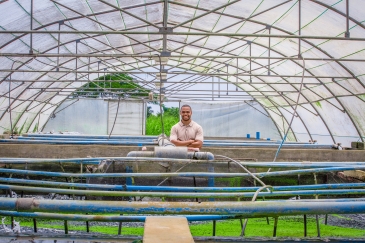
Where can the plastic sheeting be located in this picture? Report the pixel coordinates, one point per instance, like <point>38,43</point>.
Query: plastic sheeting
<point>97,116</point>
<point>86,116</point>
<point>233,119</point>
<point>128,119</point>
<point>330,109</point>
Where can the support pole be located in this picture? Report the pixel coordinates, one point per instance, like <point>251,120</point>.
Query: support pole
<point>31,27</point>
<point>300,29</point>
<point>269,54</point>
<point>347,33</point>
<point>275,226</point>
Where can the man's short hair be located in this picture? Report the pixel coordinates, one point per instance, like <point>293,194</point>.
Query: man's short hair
<point>186,106</point>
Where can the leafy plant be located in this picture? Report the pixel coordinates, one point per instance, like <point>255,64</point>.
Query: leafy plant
<point>118,85</point>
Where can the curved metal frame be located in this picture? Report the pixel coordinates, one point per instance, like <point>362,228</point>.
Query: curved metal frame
<point>237,39</point>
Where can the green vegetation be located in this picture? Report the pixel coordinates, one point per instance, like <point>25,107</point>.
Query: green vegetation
<point>287,227</point>
<point>318,104</point>
<point>153,123</point>
<point>117,84</point>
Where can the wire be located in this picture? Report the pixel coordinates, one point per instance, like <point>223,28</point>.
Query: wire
<point>295,111</point>
<point>244,168</point>
<point>115,119</point>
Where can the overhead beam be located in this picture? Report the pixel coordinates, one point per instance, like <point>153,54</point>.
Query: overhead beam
<point>187,73</point>
<point>35,55</point>
<point>118,32</point>
<point>204,14</point>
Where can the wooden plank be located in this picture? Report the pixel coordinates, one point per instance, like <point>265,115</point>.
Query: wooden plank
<point>357,174</point>
<point>167,229</point>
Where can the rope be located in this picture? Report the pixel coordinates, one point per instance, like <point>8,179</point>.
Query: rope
<point>115,119</point>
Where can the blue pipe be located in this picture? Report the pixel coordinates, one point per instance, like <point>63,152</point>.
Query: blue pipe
<point>90,136</point>
<point>137,137</point>
<point>184,194</point>
<point>145,143</point>
<point>182,174</point>
<point>111,142</point>
<point>83,139</point>
<point>292,164</point>
<point>92,160</point>
<point>244,208</point>
<point>102,218</point>
<point>176,189</point>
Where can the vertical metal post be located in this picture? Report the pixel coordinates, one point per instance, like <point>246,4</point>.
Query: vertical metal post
<point>88,74</point>
<point>275,226</point>
<point>347,33</point>
<point>77,41</point>
<point>305,225</point>
<point>211,184</point>
<point>227,79</point>
<point>66,227</point>
<point>214,226</point>
<point>164,36</point>
<point>249,43</point>
<point>129,180</point>
<point>300,29</point>
<point>211,181</point>
<point>318,229</point>
<point>58,45</point>
<point>195,186</point>
<point>35,225</point>
<point>31,27</point>
<point>317,220</point>
<point>99,69</point>
<point>219,85</point>
<point>104,82</point>
<point>120,227</point>
<point>237,74</point>
<point>9,109</point>
<point>212,88</point>
<point>325,182</point>
<point>269,54</point>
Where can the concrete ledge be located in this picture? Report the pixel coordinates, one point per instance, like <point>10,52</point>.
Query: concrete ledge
<point>166,230</point>
<point>260,154</point>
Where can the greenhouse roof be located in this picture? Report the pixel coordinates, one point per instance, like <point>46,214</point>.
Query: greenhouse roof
<point>271,50</point>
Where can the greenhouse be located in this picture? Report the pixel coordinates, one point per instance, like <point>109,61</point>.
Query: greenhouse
<point>90,91</point>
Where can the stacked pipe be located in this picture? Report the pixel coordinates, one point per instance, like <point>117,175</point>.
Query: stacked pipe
<point>147,141</point>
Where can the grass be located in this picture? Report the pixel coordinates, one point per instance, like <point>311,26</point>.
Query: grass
<point>153,124</point>
<point>287,227</point>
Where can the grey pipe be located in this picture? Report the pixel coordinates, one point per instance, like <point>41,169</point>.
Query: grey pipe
<point>173,153</point>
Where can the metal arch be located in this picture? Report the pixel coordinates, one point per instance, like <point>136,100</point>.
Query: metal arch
<point>278,129</point>
<point>260,23</point>
<point>339,12</point>
<point>270,87</point>
<point>355,126</point>
<point>278,93</point>
<point>275,107</point>
<point>340,102</point>
<point>40,110</point>
<point>63,63</point>
<point>264,108</point>
<point>75,18</point>
<point>83,39</point>
<point>186,44</point>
